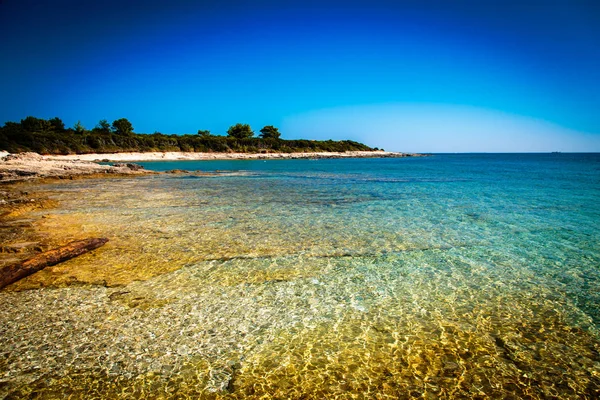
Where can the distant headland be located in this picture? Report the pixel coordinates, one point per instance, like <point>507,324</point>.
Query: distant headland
<point>39,148</point>
<point>51,137</point>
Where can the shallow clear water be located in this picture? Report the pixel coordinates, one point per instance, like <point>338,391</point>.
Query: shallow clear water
<point>444,277</point>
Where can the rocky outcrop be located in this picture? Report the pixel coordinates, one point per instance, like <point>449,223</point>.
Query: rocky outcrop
<point>131,166</point>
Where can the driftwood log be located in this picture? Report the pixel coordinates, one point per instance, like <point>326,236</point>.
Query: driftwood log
<point>15,272</point>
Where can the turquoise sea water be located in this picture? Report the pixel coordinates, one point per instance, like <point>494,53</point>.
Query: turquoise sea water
<point>543,207</point>
<point>450,276</point>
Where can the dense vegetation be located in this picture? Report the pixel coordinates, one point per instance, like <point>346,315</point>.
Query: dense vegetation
<point>51,137</point>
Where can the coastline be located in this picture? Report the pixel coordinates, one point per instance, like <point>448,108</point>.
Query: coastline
<point>174,156</point>
<point>21,167</point>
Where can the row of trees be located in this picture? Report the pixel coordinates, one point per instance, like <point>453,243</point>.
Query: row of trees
<point>122,126</point>
<point>52,137</point>
<point>55,125</point>
<point>243,131</point>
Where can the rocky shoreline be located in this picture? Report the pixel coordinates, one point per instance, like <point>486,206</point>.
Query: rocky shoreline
<point>19,236</point>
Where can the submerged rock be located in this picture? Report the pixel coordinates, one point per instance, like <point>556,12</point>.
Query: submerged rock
<point>131,166</point>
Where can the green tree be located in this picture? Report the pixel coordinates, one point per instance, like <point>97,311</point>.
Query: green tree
<point>103,126</point>
<point>122,126</point>
<point>240,131</point>
<point>33,124</point>
<point>270,132</point>
<point>79,128</point>
<point>203,134</point>
<point>57,124</point>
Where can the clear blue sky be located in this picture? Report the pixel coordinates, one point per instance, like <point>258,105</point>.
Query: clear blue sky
<point>403,75</point>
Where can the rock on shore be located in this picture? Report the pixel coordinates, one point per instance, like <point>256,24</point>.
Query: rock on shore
<point>27,166</point>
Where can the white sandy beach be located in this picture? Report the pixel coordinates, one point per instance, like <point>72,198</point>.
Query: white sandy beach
<point>171,156</point>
